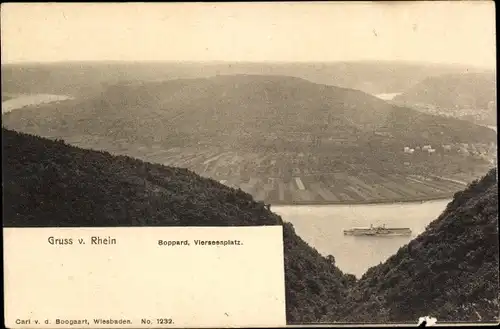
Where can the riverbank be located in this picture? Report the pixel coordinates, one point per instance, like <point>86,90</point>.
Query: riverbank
<point>443,197</point>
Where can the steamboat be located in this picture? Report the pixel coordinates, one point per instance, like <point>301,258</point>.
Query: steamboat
<point>378,231</point>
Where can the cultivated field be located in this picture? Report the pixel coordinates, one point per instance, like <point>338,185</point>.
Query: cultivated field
<point>278,179</point>
<point>267,180</point>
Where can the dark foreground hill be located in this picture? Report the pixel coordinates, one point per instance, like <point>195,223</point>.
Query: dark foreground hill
<point>47,183</point>
<point>449,272</point>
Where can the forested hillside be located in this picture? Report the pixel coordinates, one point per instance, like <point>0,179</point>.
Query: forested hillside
<point>449,91</point>
<point>47,183</point>
<point>449,272</point>
<point>247,112</point>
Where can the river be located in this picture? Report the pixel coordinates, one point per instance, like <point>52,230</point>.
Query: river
<point>20,101</point>
<point>322,228</point>
<point>388,96</point>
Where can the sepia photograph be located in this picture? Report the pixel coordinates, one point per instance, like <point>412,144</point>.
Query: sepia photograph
<point>366,131</point>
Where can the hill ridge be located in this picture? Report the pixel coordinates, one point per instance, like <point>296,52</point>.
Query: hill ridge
<point>79,77</point>
<point>471,89</point>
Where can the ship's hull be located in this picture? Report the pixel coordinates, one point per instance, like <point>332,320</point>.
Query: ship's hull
<point>385,232</point>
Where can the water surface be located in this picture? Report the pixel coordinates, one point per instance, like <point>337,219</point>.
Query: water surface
<point>21,101</point>
<point>388,96</point>
<point>322,228</point>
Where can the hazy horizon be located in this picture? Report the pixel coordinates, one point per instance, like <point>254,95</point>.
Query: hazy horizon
<point>314,62</point>
<point>434,33</point>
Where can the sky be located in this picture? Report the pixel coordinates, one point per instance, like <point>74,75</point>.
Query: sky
<point>439,32</point>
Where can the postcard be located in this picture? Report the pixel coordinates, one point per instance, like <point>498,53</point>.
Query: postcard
<point>267,164</point>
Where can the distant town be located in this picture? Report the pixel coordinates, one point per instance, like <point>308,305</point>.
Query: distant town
<point>478,151</point>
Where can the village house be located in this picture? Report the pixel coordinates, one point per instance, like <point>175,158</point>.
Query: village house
<point>408,150</point>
